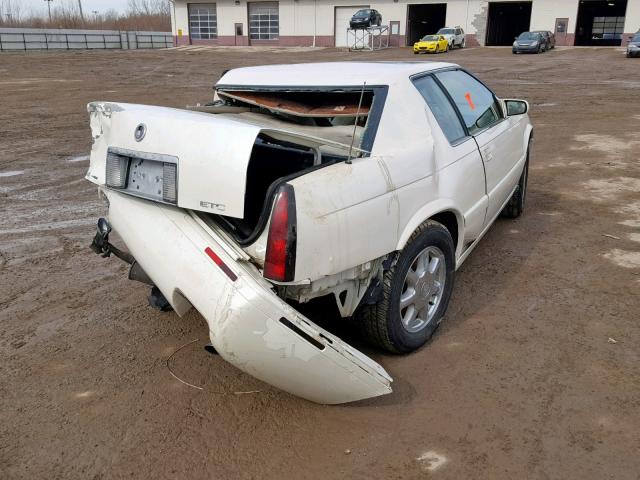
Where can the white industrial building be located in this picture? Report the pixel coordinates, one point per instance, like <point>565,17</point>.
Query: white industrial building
<point>325,22</point>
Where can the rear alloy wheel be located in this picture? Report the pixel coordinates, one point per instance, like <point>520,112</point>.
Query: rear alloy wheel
<point>416,292</point>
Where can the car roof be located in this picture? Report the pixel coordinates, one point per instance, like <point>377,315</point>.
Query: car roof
<point>328,73</point>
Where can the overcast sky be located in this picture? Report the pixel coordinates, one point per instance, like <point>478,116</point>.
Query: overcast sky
<point>40,6</point>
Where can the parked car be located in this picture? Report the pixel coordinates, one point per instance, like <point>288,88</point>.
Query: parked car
<point>633,47</point>
<point>367,182</point>
<point>530,42</point>
<point>549,37</point>
<point>454,35</point>
<point>367,17</point>
<point>431,44</point>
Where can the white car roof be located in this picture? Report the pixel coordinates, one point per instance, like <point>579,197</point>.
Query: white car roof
<point>329,73</point>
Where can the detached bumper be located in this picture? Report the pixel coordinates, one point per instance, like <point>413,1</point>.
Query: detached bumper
<point>249,325</point>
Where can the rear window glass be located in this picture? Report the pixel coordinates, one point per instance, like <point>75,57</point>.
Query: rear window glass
<point>441,108</point>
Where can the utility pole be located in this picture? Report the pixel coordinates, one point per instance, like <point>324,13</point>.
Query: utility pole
<point>49,5</point>
<point>80,7</point>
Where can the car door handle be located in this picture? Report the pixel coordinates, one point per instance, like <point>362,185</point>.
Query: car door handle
<point>488,156</point>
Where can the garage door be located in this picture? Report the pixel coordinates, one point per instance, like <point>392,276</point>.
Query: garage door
<point>343,15</point>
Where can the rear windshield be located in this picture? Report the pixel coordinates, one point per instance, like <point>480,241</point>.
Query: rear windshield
<point>430,38</point>
<point>528,36</point>
<point>446,31</point>
<point>325,112</point>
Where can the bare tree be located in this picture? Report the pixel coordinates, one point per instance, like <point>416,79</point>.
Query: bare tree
<point>140,15</point>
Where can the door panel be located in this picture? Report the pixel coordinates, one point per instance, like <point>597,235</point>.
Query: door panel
<point>484,119</point>
<point>500,156</point>
<point>458,153</point>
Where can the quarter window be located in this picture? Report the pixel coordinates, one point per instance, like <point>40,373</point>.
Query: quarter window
<point>203,21</point>
<point>263,21</point>
<point>441,107</point>
<point>476,103</point>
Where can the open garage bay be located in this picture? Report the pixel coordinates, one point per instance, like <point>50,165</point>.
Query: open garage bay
<point>533,374</point>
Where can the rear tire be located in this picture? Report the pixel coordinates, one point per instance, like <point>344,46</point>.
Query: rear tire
<point>515,206</point>
<point>415,292</point>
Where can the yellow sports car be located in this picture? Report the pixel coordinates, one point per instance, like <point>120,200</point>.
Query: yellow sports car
<point>431,43</point>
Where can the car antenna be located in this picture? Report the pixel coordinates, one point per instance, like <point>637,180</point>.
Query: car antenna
<point>355,124</point>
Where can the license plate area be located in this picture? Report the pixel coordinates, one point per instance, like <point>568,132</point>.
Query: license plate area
<point>148,175</point>
<point>145,178</point>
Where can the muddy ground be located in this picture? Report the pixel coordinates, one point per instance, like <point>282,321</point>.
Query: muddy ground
<point>533,374</point>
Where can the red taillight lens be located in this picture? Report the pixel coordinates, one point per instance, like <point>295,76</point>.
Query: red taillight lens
<point>280,259</point>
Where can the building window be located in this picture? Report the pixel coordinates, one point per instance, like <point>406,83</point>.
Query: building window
<point>203,21</point>
<point>607,28</point>
<point>263,21</point>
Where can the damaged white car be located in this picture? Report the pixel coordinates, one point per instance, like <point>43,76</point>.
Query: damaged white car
<point>370,182</point>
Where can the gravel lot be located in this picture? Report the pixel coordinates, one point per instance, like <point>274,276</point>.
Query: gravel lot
<point>533,374</point>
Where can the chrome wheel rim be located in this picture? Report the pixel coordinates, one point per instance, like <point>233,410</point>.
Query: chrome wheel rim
<point>423,289</point>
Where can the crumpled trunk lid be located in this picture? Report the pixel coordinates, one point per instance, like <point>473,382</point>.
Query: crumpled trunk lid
<point>212,152</point>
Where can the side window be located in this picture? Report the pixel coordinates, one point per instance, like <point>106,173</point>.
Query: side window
<point>475,102</point>
<point>441,107</point>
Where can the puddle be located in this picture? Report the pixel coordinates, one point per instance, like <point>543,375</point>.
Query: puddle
<point>79,158</point>
<point>623,258</point>
<point>431,460</point>
<point>609,189</point>
<point>12,173</point>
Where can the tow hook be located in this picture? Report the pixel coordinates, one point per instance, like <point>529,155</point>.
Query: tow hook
<point>102,247</point>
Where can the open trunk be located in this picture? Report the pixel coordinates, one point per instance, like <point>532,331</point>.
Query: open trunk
<point>227,159</point>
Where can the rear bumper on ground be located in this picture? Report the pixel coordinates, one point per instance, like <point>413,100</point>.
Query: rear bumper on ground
<point>249,325</point>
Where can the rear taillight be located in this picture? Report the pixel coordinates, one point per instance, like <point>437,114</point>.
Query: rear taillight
<point>280,258</point>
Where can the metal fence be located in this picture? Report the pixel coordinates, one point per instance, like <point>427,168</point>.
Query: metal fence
<point>20,39</point>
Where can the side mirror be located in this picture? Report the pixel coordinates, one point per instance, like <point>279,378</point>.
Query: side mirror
<point>516,107</point>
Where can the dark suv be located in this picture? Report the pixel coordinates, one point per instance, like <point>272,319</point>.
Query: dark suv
<point>367,17</point>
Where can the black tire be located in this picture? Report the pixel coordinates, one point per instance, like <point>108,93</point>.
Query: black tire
<point>462,45</point>
<point>381,323</point>
<point>515,206</point>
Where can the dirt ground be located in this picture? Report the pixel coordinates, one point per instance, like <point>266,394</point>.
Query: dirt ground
<point>533,374</point>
